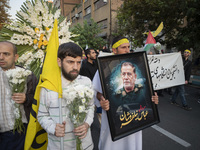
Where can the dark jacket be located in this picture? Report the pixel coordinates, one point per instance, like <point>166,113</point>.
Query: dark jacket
<point>31,86</point>
<point>88,69</point>
<point>187,68</point>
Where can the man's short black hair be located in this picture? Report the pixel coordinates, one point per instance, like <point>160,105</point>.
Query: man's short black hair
<point>69,49</point>
<point>13,45</point>
<point>87,51</point>
<point>117,38</point>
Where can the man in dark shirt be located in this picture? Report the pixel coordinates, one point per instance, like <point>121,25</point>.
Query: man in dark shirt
<point>180,90</point>
<point>89,67</point>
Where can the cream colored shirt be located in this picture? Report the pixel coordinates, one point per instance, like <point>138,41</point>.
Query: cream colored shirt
<point>7,118</point>
<point>48,116</point>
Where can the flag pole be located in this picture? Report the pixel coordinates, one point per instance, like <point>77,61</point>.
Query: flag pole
<point>61,120</point>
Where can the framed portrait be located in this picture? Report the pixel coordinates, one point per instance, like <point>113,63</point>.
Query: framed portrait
<point>127,84</point>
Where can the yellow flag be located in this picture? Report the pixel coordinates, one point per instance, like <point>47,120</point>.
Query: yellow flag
<point>50,78</point>
<point>158,30</point>
<point>148,33</point>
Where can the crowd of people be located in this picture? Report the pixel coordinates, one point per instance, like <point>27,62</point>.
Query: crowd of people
<point>74,69</point>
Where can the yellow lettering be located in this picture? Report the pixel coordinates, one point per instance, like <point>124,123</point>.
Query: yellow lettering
<point>128,117</point>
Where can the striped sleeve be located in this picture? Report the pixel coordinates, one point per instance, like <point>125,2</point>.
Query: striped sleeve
<point>44,117</point>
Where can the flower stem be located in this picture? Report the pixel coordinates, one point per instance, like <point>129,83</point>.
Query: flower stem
<point>78,143</point>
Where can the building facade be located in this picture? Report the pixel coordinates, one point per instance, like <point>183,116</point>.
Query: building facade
<point>103,12</point>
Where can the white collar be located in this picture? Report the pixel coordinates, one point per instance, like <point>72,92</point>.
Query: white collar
<point>66,82</point>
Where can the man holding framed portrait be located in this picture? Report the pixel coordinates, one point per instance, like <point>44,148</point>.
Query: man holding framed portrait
<point>133,141</point>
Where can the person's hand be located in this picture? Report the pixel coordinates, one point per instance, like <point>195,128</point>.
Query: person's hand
<point>60,129</point>
<point>19,97</point>
<point>154,98</point>
<point>186,82</point>
<point>105,104</point>
<point>81,130</point>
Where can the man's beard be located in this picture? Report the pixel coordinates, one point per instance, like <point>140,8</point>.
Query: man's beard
<point>93,58</point>
<point>69,76</point>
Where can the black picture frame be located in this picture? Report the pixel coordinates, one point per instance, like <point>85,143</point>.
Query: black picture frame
<point>129,111</point>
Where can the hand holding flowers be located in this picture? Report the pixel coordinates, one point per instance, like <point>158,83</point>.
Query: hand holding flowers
<point>81,131</point>
<point>19,97</point>
<point>78,98</point>
<point>17,80</point>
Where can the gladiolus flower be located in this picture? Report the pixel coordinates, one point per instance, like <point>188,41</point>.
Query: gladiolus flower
<point>40,44</point>
<point>41,37</point>
<point>47,28</point>
<point>35,41</point>
<point>37,30</point>
<point>45,42</point>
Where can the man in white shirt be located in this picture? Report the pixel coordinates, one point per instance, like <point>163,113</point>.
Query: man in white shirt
<point>69,60</point>
<point>120,45</point>
<point>10,139</point>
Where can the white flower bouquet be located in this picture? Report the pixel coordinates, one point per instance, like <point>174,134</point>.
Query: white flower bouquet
<point>17,81</point>
<point>32,30</point>
<point>78,98</point>
<point>157,46</point>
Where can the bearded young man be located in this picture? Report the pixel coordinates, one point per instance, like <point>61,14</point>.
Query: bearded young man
<point>120,45</point>
<point>69,60</point>
<point>89,66</point>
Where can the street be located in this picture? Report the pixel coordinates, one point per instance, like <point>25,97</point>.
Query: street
<point>178,129</point>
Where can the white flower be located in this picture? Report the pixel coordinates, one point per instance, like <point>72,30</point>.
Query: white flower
<point>12,102</point>
<point>20,81</point>
<point>16,113</point>
<point>72,95</point>
<point>9,73</point>
<point>83,100</point>
<point>157,46</point>
<point>35,46</point>
<point>81,93</point>
<point>69,95</point>
<point>89,93</point>
<point>39,54</point>
<point>57,14</point>
<point>18,76</point>
<point>27,73</point>
<point>14,81</point>
<point>33,30</point>
<point>78,87</point>
<point>81,109</point>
